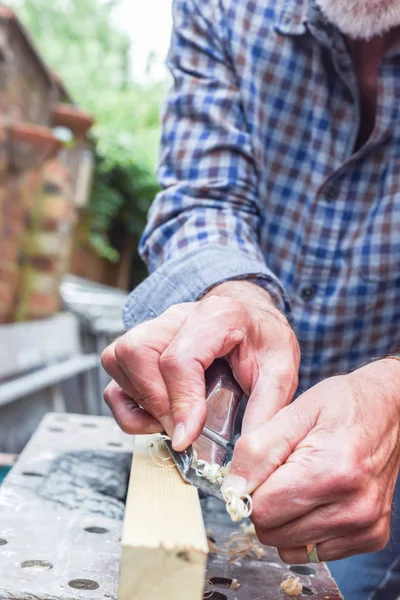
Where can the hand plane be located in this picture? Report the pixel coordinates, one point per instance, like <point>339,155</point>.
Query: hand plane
<point>215,444</point>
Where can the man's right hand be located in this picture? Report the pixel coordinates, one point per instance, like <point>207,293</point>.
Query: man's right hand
<point>158,367</point>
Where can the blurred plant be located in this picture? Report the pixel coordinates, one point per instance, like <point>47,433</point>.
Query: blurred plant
<point>93,58</point>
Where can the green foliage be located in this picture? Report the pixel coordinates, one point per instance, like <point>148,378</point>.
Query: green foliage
<point>78,40</point>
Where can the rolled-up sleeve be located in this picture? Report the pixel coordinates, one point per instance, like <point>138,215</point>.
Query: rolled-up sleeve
<point>204,226</point>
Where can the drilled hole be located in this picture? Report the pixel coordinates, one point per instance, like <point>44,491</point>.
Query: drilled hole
<point>96,530</point>
<point>307,591</point>
<point>3,542</point>
<point>32,474</point>
<point>211,538</point>
<point>37,565</point>
<point>222,581</point>
<point>56,429</point>
<point>89,425</point>
<point>303,570</point>
<point>114,445</point>
<point>83,584</point>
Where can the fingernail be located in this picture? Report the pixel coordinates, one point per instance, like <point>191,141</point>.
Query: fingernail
<point>168,424</point>
<point>179,435</point>
<point>237,483</point>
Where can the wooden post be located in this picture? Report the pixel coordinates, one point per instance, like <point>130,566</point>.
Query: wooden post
<point>164,544</point>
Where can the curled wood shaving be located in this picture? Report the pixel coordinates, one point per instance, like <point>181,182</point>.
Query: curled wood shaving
<point>239,545</point>
<point>292,585</point>
<point>248,528</point>
<point>235,585</point>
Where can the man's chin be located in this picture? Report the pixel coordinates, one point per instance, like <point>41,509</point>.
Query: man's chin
<point>362,19</point>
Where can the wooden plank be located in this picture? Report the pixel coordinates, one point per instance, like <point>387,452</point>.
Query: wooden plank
<point>61,511</point>
<point>164,545</point>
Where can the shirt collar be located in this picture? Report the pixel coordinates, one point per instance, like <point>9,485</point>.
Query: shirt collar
<point>296,14</point>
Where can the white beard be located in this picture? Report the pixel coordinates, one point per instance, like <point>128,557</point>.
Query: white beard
<point>362,19</point>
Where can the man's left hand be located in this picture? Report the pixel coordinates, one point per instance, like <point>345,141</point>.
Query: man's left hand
<point>323,470</point>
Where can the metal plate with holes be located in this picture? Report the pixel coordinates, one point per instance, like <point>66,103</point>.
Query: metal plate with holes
<point>259,579</point>
<point>61,510</point>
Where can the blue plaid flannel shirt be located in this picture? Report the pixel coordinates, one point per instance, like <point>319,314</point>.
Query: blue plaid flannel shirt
<point>261,182</point>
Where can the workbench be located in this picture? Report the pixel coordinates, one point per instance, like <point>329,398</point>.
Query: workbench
<point>61,516</point>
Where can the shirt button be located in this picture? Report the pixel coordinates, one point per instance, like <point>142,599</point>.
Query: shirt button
<point>308,293</point>
<point>332,192</point>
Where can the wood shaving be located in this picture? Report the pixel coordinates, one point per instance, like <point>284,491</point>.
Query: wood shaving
<point>248,528</point>
<point>235,585</point>
<point>292,586</point>
<point>239,545</point>
<point>238,507</point>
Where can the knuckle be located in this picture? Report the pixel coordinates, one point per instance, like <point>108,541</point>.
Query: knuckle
<point>348,474</point>
<point>380,535</point>
<point>109,393</point>
<point>262,534</point>
<point>249,449</point>
<point>170,360</point>
<point>343,478</point>
<point>122,349</point>
<point>220,305</point>
<point>178,310</point>
<point>126,426</point>
<point>106,396</point>
<point>128,350</point>
<point>285,555</point>
<point>107,359</point>
<point>368,512</point>
<point>373,504</point>
<point>259,517</point>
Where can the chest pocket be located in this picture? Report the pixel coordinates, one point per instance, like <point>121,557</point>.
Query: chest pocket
<point>377,246</point>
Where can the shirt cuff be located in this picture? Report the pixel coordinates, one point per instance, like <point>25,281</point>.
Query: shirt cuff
<point>188,278</point>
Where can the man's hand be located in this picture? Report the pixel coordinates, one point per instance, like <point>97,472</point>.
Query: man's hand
<point>323,470</point>
<point>158,367</point>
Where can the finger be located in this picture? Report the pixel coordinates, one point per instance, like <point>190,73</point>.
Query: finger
<point>128,414</point>
<point>340,512</point>
<point>261,452</point>
<point>370,539</point>
<point>274,389</point>
<point>288,494</point>
<point>190,353</point>
<point>138,354</point>
<point>276,383</point>
<point>321,524</point>
<point>114,370</point>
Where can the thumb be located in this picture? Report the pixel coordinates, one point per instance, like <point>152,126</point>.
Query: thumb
<point>261,451</point>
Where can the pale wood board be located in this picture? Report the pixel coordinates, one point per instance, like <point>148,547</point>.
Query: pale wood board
<point>164,544</point>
